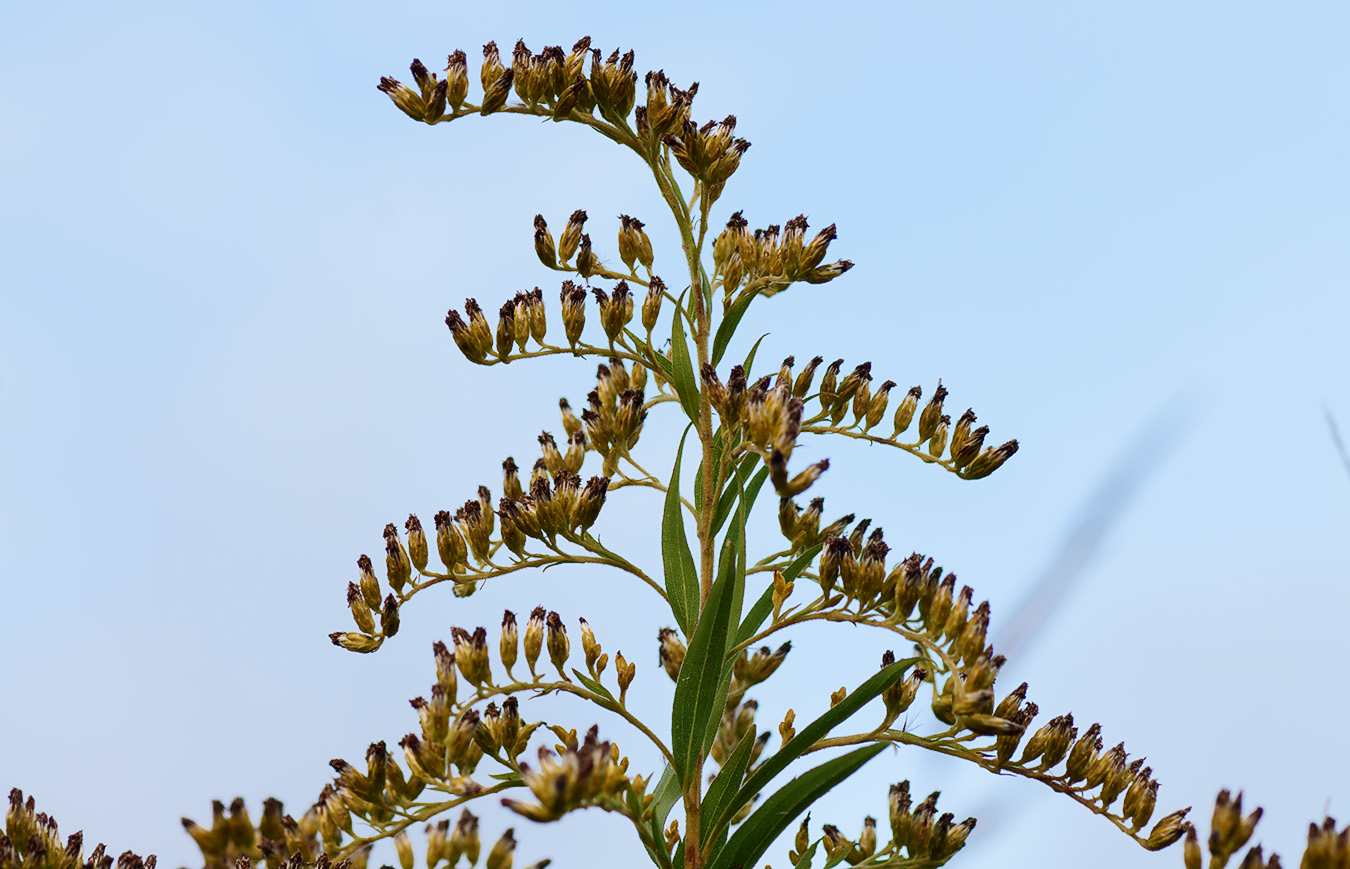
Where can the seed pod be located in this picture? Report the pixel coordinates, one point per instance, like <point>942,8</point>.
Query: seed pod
<point>464,839</point>
<point>537,316</point>
<point>370,585</point>
<point>543,243</point>
<point>904,412</point>
<point>354,642</point>
<point>573,300</point>
<point>867,841</point>
<point>1007,743</point>
<point>398,567</point>
<point>829,385</point>
<point>506,329</point>
<point>624,671</point>
<point>990,460</point>
<point>571,235</point>
<point>509,641</point>
<point>932,413</point>
<point>1083,754</point>
<point>534,637</point>
<point>938,442</point>
<point>417,543</point>
<point>361,614</point>
<point>503,853</point>
<point>1167,831</point>
<point>494,96</point>
<point>449,544</point>
<point>587,262</point>
<point>558,646</point>
<point>628,243</point>
<point>803,480</point>
<point>651,304</point>
<point>589,646</point>
<point>389,616</point>
<point>407,100</point>
<point>445,669</point>
<point>876,407</point>
<point>521,321</point>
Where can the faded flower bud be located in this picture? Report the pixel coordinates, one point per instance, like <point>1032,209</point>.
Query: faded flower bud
<point>671,652</point>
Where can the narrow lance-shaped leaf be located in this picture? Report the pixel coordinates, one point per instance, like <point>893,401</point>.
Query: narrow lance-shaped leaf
<point>700,675</point>
<point>723,788</point>
<point>749,363</point>
<point>682,369</point>
<point>593,686</point>
<point>816,730</point>
<point>681,574</point>
<point>764,825</point>
<point>730,569</point>
<point>728,499</point>
<point>664,797</point>
<point>727,327</point>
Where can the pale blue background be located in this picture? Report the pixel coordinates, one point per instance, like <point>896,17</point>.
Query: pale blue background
<point>225,260</point>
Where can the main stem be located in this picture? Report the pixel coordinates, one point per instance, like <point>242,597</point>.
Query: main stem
<point>694,858</point>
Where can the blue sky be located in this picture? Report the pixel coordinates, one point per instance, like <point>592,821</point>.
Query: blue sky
<point>226,260</point>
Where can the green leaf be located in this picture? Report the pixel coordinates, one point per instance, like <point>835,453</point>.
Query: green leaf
<point>766,823</point>
<point>695,704</point>
<point>811,733</point>
<point>513,777</point>
<point>727,328</point>
<point>729,495</point>
<point>681,574</point>
<point>682,369</point>
<point>593,686</point>
<point>760,611</point>
<point>664,797</point>
<point>750,357</point>
<point>731,567</point>
<point>723,788</point>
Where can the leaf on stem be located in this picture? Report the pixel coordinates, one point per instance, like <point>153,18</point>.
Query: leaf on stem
<point>816,730</point>
<point>696,708</point>
<point>723,788</point>
<point>728,326</point>
<point>682,369</point>
<point>764,825</point>
<point>681,574</point>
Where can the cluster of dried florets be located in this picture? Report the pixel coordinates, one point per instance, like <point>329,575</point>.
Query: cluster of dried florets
<point>455,738</point>
<point>278,840</point>
<point>556,504</point>
<point>524,318</point>
<point>558,84</point>
<point>634,246</point>
<point>925,837</point>
<point>765,261</point>
<point>32,840</point>
<point>770,414</point>
<point>573,777</point>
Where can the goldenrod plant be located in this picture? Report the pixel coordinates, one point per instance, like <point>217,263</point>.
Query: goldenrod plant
<point>722,797</point>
